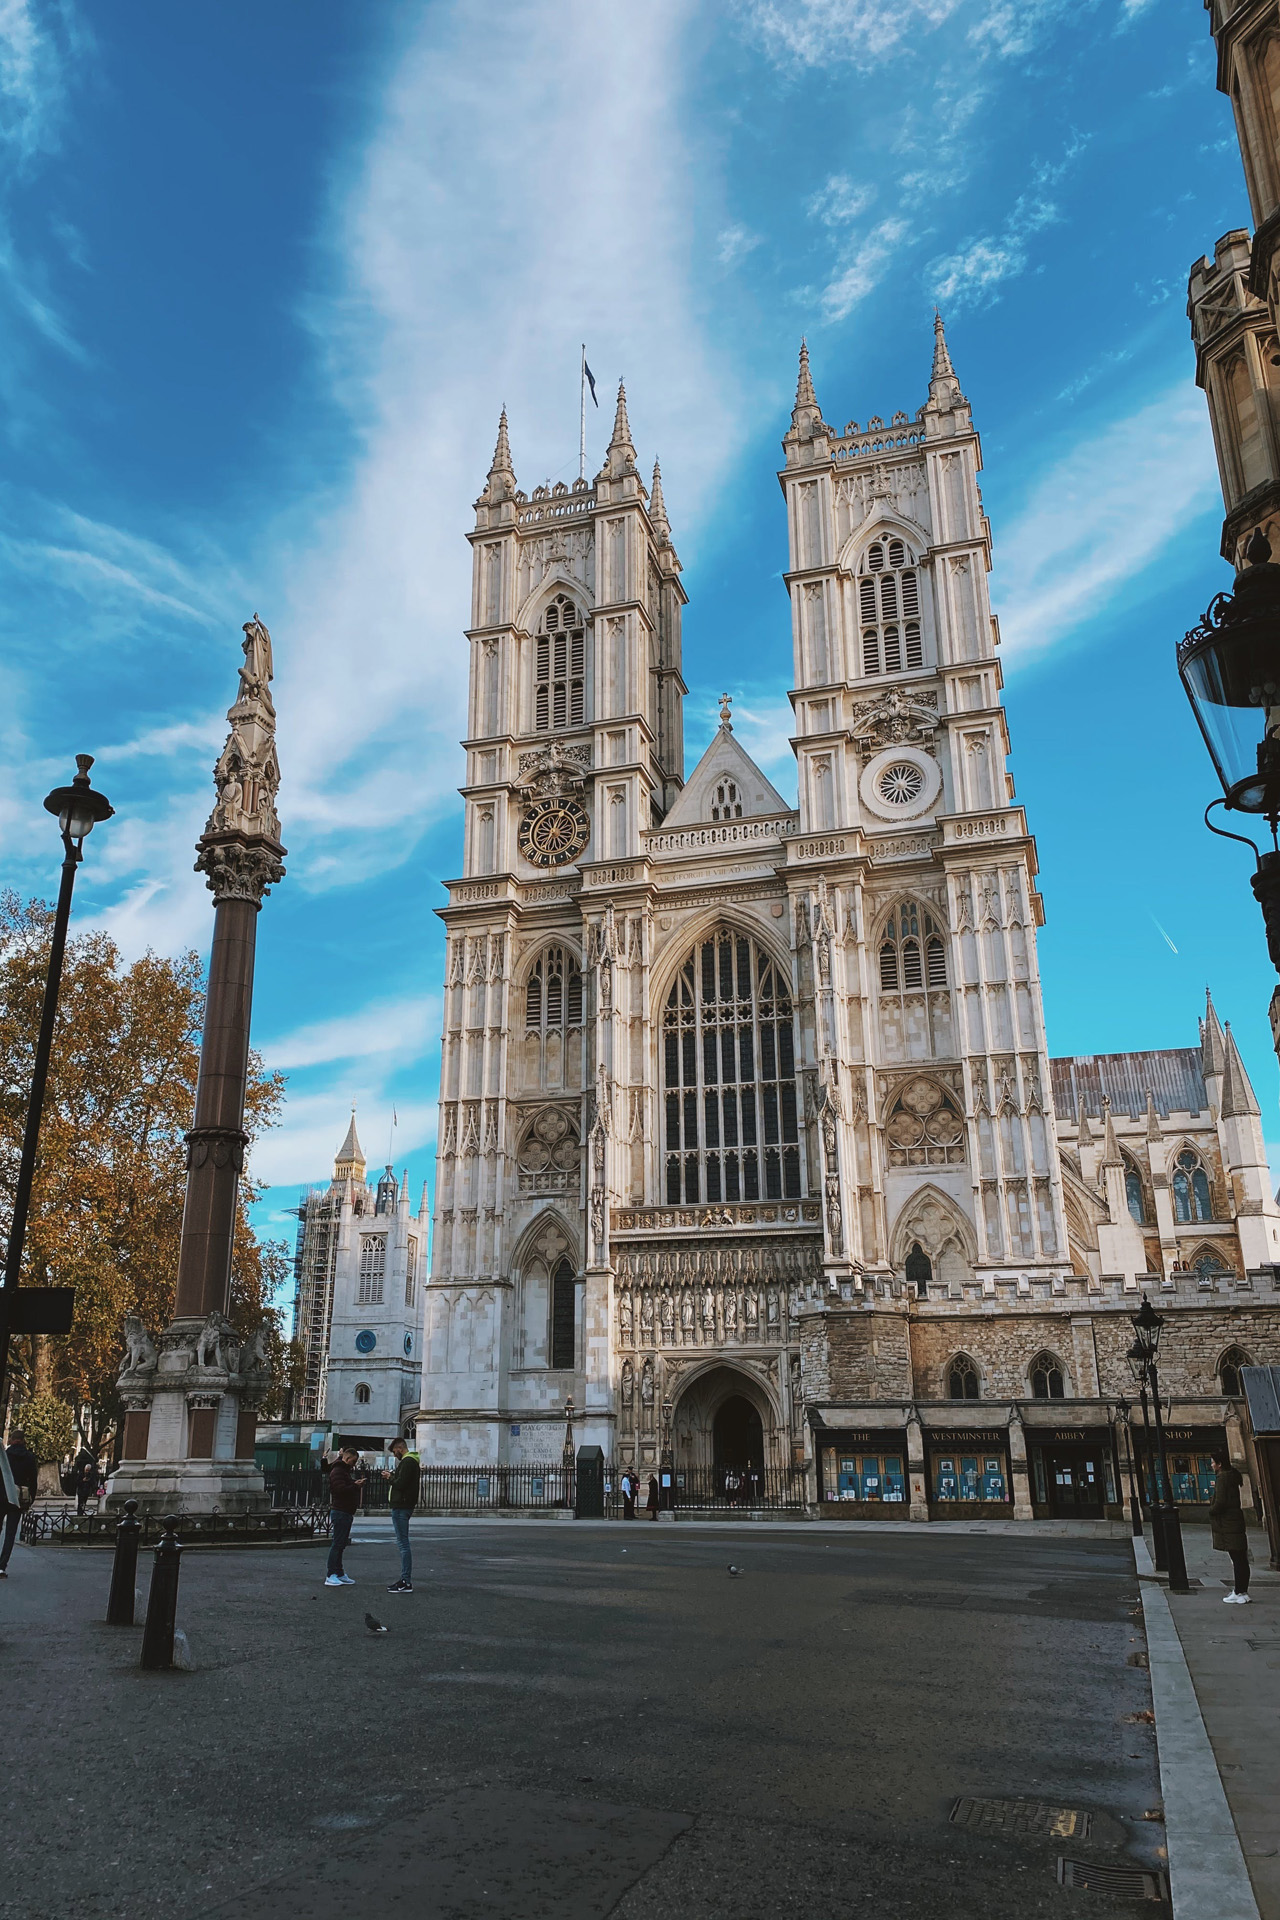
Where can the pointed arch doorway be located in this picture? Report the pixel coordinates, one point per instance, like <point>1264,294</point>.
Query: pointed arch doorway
<point>723,1422</point>
<point>737,1436</point>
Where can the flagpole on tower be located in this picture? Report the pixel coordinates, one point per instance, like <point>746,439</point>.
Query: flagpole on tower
<point>582,416</point>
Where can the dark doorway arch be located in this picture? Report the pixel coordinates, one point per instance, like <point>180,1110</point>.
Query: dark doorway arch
<point>737,1435</point>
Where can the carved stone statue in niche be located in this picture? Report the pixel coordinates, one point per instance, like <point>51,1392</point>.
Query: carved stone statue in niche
<point>646,1313</point>
<point>686,1313</point>
<point>668,1314</point>
<point>730,1313</point>
<point>773,1306</point>
<point>646,1396</point>
<point>835,1218</point>
<point>708,1308</point>
<point>625,1311</point>
<point>628,1395</point>
<point>752,1309</point>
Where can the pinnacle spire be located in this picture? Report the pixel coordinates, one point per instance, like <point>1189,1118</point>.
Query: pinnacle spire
<point>1211,1038</point>
<point>621,424</point>
<point>350,1153</point>
<point>501,482</point>
<point>620,458</point>
<point>1111,1155</point>
<point>1237,1095</point>
<point>657,505</point>
<point>1153,1118</point>
<point>941,354</point>
<point>1085,1135</point>
<point>806,415</point>
<point>805,396</point>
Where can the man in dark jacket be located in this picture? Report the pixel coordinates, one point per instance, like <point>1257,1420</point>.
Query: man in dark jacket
<point>26,1474</point>
<point>86,1479</point>
<point>1226,1521</point>
<point>344,1504</point>
<point>402,1498</point>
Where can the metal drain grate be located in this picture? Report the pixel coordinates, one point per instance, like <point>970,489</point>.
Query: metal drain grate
<point>1127,1883</point>
<point>1021,1816</point>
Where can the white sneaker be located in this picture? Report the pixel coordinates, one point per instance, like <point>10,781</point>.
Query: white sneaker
<point>336,1580</point>
<point>345,1580</point>
<point>1242,1599</point>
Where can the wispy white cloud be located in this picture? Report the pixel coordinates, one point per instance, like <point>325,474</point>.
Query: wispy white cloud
<point>969,276</point>
<point>31,84</point>
<point>735,243</point>
<point>303,1149</point>
<point>839,200</point>
<point>1099,516</point>
<point>861,33</point>
<point>862,267</point>
<point>401,1027</point>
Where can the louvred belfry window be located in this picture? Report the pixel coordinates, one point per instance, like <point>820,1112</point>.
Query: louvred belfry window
<point>913,953</point>
<point>889,610</point>
<point>553,996</point>
<point>560,668</point>
<point>731,1114</point>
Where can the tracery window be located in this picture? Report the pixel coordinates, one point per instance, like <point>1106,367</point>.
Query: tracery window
<point>373,1261</point>
<point>411,1273</point>
<point>731,1111</point>
<point>1047,1381</point>
<point>726,802</point>
<point>913,953</point>
<point>1191,1198</point>
<point>962,1378</point>
<point>553,995</point>
<point>889,609</point>
<point>562,1316</point>
<point>560,668</point>
<point>1133,1192</point>
<point>919,1270</point>
<point>1229,1372</point>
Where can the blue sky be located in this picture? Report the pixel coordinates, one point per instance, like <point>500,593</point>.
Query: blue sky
<point>267,274</point>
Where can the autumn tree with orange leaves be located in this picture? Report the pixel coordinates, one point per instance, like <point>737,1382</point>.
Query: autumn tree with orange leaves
<point>106,1205</point>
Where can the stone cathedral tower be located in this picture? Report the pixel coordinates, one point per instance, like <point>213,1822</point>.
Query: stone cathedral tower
<point>747,1144</point>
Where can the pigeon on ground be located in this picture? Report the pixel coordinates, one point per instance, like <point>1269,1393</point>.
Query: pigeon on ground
<point>374,1626</point>
<point>734,1572</point>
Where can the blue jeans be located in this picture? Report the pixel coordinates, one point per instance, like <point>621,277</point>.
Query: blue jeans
<point>339,1537</point>
<point>400,1518</point>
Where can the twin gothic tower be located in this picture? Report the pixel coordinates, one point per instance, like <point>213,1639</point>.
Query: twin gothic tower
<point>732,1088</point>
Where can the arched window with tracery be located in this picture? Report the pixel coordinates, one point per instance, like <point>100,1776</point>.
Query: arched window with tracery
<point>913,953</point>
<point>732,1123</point>
<point>1133,1192</point>
<point>560,667</point>
<point>919,1270</point>
<point>726,801</point>
<point>553,993</point>
<point>563,1316</point>
<point>1229,1372</point>
<point>962,1378</point>
<point>889,609</point>
<point>1048,1381</point>
<point>1191,1198</point>
<point>373,1263</point>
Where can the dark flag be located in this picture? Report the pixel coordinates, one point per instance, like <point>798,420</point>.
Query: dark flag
<point>591,381</point>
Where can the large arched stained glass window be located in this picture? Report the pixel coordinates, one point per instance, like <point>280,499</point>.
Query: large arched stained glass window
<point>731,1114</point>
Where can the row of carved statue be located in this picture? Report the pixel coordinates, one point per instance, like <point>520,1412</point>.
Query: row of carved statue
<point>215,1345</point>
<point>704,1315</point>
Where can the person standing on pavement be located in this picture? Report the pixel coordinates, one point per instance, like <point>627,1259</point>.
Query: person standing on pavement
<point>1226,1522</point>
<point>86,1480</point>
<point>344,1504</point>
<point>628,1495</point>
<point>651,1503</point>
<point>26,1475</point>
<point>402,1498</point>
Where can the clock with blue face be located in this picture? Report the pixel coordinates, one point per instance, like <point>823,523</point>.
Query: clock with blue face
<point>408,1345</point>
<point>366,1341</point>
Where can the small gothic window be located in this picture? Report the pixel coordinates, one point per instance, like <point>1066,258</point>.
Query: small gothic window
<point>919,1269</point>
<point>731,1111</point>
<point>1046,1378</point>
<point>1210,1267</point>
<point>726,803</point>
<point>1134,1194</point>
<point>560,665</point>
<point>1229,1372</point>
<point>913,953</point>
<point>363,1395</point>
<point>1191,1199</point>
<point>553,996</point>
<point>962,1378</point>
<point>562,1317</point>
<point>411,1274</point>
<point>373,1261</point>
<point>889,609</point>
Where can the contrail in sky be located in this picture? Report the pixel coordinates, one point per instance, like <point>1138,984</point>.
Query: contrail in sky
<point>1155,923</point>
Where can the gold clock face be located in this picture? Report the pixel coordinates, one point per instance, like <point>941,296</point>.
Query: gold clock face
<point>554,832</point>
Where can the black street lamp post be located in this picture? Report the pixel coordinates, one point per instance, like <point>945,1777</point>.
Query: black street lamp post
<point>1230,669</point>
<point>1148,1326</point>
<point>1137,1358</point>
<point>46,1309</point>
<point>1135,1503</point>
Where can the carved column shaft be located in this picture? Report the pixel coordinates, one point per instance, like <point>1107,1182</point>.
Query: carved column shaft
<point>216,1142</point>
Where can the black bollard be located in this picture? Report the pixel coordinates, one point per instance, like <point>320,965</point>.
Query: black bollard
<point>162,1601</point>
<point>124,1570</point>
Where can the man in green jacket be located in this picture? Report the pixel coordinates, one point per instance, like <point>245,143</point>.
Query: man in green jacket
<point>402,1498</point>
<point>1226,1521</point>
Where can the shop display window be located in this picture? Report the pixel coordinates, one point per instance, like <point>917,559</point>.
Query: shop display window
<point>969,1476</point>
<point>1191,1475</point>
<point>855,1475</point>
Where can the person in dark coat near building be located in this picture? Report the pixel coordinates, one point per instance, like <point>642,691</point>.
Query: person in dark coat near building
<point>651,1503</point>
<point>402,1498</point>
<point>86,1479</point>
<point>26,1474</point>
<point>1226,1521</point>
<point>628,1495</point>
<point>344,1503</point>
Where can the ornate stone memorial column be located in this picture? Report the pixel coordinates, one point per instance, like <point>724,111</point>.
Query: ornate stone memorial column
<point>191,1406</point>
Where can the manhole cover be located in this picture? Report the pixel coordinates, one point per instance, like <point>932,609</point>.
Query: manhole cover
<point>1127,1883</point>
<point>1021,1816</point>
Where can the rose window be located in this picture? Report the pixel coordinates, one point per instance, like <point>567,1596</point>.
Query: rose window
<point>901,784</point>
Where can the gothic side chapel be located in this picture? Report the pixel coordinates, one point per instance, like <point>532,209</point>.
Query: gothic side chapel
<point>751,1145</point>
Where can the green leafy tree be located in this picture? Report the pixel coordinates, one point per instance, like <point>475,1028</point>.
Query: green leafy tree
<point>106,1206</point>
<point>49,1426</point>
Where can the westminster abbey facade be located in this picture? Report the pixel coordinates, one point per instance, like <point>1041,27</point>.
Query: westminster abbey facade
<point>752,1150</point>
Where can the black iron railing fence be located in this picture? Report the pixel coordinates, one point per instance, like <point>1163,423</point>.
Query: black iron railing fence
<point>443,1490</point>
<point>741,1487</point>
<point>95,1529</point>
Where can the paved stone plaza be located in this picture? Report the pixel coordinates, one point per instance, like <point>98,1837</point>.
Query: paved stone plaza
<point>577,1720</point>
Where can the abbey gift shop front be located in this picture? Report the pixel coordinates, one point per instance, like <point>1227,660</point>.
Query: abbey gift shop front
<point>865,1470</point>
<point>967,1473</point>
